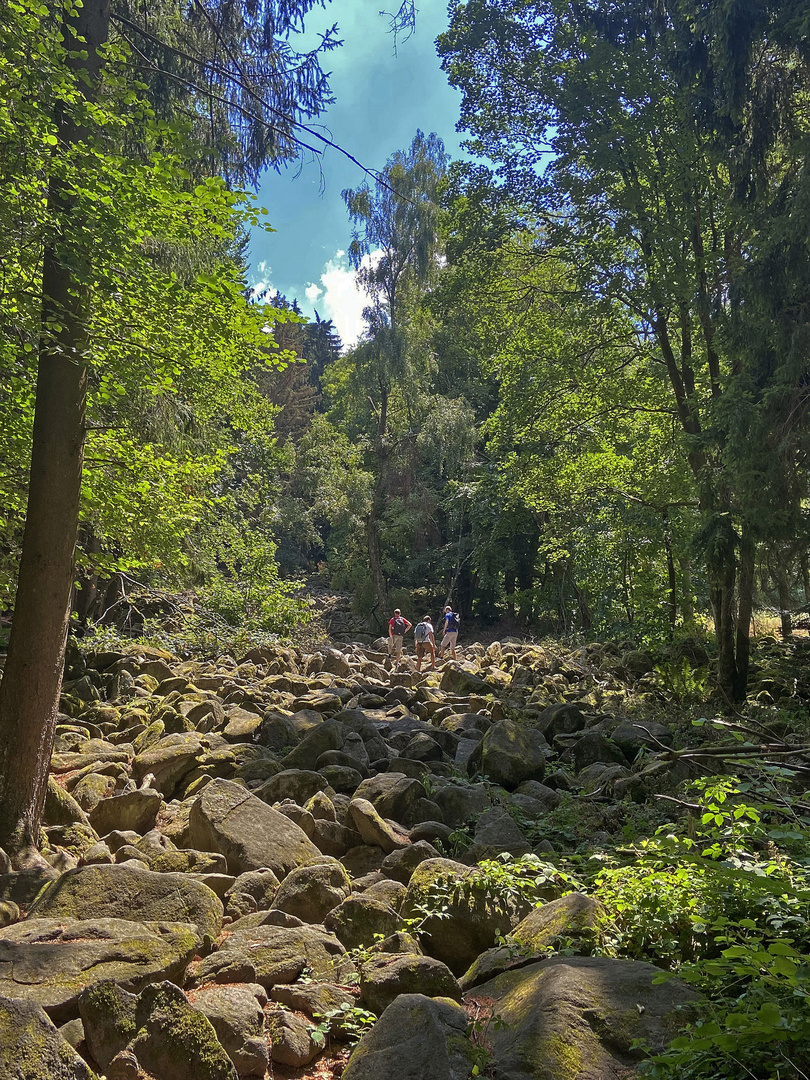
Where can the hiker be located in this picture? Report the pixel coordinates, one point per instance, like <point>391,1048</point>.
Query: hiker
<point>425,642</point>
<point>450,621</point>
<point>397,628</point>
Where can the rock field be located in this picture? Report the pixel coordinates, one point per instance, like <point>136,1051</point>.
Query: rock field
<point>249,869</point>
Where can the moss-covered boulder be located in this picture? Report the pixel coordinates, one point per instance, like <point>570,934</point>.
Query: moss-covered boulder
<point>31,1047</point>
<point>473,916</point>
<point>510,753</point>
<point>170,760</point>
<point>159,1034</point>
<point>416,1037</point>
<point>391,974</point>
<point>274,954</point>
<point>50,961</point>
<point>60,806</point>
<point>575,920</point>
<point>254,890</point>
<point>124,892</point>
<point>135,810</point>
<point>238,1019</point>
<point>249,833</point>
<point>581,1018</point>
<point>359,919</point>
<point>311,891</point>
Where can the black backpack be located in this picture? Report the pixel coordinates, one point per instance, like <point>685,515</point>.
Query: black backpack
<point>452,622</point>
<point>399,626</point>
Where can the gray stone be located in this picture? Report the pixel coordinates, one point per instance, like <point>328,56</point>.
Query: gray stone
<point>402,862</point>
<point>158,1033</point>
<point>31,1047</point>
<point>124,892</point>
<point>273,954</point>
<point>360,918</point>
<point>248,832</point>
<point>296,784</point>
<point>416,1038</point>
<point>474,916</point>
<point>237,1017</point>
<point>391,794</point>
<point>373,829</point>
<point>496,832</point>
<point>581,1017</point>
<point>136,811</point>
<point>510,753</point>
<point>389,975</point>
<point>292,1043</point>
<point>254,890</point>
<point>51,961</point>
<point>311,891</point>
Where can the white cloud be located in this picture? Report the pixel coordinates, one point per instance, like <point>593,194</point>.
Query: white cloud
<point>340,299</point>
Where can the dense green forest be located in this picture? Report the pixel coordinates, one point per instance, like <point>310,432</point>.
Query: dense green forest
<point>579,405</point>
<point>579,410</point>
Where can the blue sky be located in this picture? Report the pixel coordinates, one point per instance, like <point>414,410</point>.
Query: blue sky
<point>382,99</point>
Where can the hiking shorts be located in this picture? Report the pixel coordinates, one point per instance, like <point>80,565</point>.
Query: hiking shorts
<point>395,646</point>
<point>449,640</point>
<point>424,648</point>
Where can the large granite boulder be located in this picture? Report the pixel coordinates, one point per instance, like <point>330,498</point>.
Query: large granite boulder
<point>510,753</point>
<point>415,1038</point>
<point>249,833</point>
<point>393,795</point>
<point>473,917</point>
<point>577,920</point>
<point>51,961</point>
<point>581,1017</point>
<point>170,760</point>
<point>391,974</point>
<point>273,954</point>
<point>158,1034</point>
<point>373,829</point>
<point>135,810</point>
<point>237,1016</point>
<point>126,892</point>
<point>31,1047</point>
<point>310,892</point>
<point>360,919</point>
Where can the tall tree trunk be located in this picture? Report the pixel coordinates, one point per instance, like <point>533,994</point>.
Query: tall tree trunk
<point>804,563</point>
<point>723,596</point>
<point>672,596</point>
<point>745,610</point>
<point>378,508</point>
<point>29,692</point>
<point>687,603</point>
<point>785,600</point>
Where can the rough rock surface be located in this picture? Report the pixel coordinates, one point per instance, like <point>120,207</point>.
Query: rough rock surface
<point>577,1018</point>
<point>51,960</point>
<point>31,1047</point>
<point>249,833</point>
<point>417,1037</point>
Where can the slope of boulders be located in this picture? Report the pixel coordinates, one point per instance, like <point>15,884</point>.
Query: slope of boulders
<point>252,862</point>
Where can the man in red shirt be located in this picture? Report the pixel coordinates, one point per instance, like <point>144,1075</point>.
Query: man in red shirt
<point>397,628</point>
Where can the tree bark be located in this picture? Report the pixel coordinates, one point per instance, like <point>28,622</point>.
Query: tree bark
<point>378,508</point>
<point>745,609</point>
<point>785,601</point>
<point>672,600</point>
<point>29,692</point>
<point>687,604</point>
